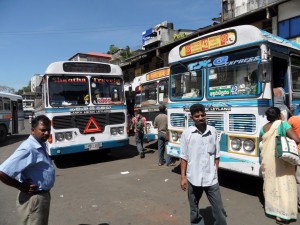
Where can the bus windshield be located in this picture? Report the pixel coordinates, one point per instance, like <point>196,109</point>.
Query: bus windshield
<point>68,90</point>
<point>186,84</point>
<point>233,81</point>
<point>149,94</point>
<point>163,91</point>
<point>234,75</point>
<point>106,90</point>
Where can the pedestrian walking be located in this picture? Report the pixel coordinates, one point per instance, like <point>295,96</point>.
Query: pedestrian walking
<point>140,128</point>
<point>32,165</point>
<point>280,189</point>
<point>200,153</point>
<point>161,123</point>
<point>294,121</point>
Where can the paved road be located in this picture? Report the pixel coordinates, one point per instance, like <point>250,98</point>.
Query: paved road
<point>90,189</point>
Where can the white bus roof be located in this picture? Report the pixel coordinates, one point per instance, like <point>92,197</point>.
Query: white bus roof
<point>241,36</point>
<point>11,96</point>
<point>158,74</point>
<point>136,82</point>
<point>57,68</point>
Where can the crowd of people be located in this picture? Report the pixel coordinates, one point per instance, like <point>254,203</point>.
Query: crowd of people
<point>200,154</point>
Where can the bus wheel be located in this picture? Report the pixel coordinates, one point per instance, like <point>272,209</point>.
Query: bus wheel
<point>3,133</point>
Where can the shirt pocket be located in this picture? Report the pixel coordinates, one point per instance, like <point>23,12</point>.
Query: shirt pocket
<point>209,143</point>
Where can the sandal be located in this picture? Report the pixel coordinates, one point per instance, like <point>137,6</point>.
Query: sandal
<point>282,221</point>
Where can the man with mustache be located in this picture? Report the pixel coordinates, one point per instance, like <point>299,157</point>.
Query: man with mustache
<point>200,153</point>
<point>36,174</point>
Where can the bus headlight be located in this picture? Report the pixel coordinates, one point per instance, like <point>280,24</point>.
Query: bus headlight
<point>121,130</point>
<point>59,136</point>
<point>113,131</point>
<point>174,136</point>
<point>236,144</point>
<point>68,135</point>
<point>249,145</point>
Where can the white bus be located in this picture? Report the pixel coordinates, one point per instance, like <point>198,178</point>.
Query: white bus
<point>154,91</point>
<point>11,114</point>
<point>86,105</point>
<point>232,72</point>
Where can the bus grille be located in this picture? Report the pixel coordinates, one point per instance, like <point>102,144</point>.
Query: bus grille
<point>81,121</point>
<point>177,119</point>
<point>242,123</point>
<point>216,120</point>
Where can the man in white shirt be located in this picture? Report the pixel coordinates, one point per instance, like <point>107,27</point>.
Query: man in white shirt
<point>200,153</point>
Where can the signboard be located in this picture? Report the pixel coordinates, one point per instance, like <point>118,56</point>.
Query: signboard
<point>208,43</point>
<point>158,74</point>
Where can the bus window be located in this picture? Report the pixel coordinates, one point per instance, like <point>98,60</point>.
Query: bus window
<point>6,104</point>
<point>68,90</point>
<point>1,104</point>
<point>295,73</point>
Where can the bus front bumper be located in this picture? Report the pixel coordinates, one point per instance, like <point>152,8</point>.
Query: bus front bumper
<point>55,151</point>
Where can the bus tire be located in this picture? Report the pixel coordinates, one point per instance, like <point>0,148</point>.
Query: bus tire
<point>3,133</point>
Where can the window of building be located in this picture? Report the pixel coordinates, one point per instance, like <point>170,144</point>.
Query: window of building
<point>289,28</point>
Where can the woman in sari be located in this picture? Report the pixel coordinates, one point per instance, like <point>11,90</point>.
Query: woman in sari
<point>279,188</point>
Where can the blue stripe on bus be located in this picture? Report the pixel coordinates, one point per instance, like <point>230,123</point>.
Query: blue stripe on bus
<point>61,110</point>
<point>230,159</point>
<point>151,137</point>
<point>241,103</point>
<point>80,147</point>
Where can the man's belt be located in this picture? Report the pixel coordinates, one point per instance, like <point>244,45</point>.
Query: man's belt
<point>41,192</point>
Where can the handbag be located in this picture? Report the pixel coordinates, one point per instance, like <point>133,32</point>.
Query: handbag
<point>286,148</point>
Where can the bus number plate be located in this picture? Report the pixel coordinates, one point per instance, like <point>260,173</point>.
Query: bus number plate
<point>93,146</point>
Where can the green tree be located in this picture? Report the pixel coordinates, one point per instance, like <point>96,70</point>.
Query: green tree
<point>126,53</point>
<point>112,49</point>
<point>25,89</point>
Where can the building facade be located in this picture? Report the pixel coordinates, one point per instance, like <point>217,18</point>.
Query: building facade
<point>280,17</point>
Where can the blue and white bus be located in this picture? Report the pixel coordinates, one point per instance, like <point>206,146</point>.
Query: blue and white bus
<point>11,114</point>
<point>232,72</point>
<point>154,91</point>
<point>85,102</point>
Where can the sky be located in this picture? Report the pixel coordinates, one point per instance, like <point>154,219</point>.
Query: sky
<point>33,34</point>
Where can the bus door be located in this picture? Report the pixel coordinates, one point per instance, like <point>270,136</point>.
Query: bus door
<point>280,75</point>
<point>14,119</point>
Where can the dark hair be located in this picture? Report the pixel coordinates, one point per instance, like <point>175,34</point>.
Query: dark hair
<point>35,121</point>
<point>162,108</point>
<point>197,108</point>
<point>273,113</point>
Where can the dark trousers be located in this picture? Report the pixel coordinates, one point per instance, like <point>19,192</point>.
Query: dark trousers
<point>139,141</point>
<point>162,156</point>
<point>214,196</point>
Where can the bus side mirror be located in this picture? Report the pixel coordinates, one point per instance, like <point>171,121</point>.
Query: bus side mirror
<point>265,71</point>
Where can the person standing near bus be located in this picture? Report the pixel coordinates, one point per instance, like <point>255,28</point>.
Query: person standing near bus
<point>294,121</point>
<point>161,123</point>
<point>200,153</point>
<point>31,163</point>
<point>140,128</point>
